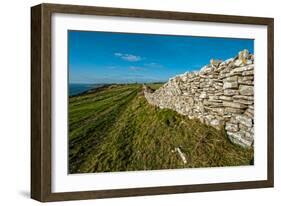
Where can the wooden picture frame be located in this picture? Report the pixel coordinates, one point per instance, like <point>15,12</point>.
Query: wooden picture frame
<point>41,117</point>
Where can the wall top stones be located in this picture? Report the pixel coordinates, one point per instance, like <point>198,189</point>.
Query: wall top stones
<point>220,94</point>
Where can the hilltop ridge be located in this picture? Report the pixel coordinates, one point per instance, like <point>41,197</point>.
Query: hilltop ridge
<point>116,129</point>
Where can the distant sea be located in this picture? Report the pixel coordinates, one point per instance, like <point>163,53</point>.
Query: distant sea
<point>75,89</point>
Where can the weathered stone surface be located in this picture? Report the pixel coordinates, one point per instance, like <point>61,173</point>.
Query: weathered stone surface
<point>249,135</point>
<point>220,94</point>
<point>243,119</point>
<point>251,107</point>
<point>212,100</point>
<point>238,63</point>
<point>217,87</point>
<point>234,105</point>
<point>226,98</point>
<point>244,128</point>
<point>215,62</point>
<point>246,90</point>
<point>215,123</point>
<point>248,73</point>
<point>243,101</point>
<point>230,92</point>
<point>203,95</point>
<point>242,79</point>
<point>230,85</point>
<point>241,70</point>
<point>249,83</point>
<point>233,119</point>
<point>250,98</point>
<point>243,54</point>
<point>231,79</point>
<point>233,110</point>
<point>219,111</point>
<point>206,69</point>
<point>249,61</point>
<point>231,127</point>
<point>232,74</point>
<point>214,97</point>
<point>250,113</point>
<point>239,138</point>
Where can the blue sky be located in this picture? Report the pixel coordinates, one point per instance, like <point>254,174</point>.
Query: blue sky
<point>106,57</point>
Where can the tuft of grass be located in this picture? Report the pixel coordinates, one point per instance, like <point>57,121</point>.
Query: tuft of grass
<point>115,129</point>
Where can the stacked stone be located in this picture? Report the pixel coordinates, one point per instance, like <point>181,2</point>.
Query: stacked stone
<point>221,94</point>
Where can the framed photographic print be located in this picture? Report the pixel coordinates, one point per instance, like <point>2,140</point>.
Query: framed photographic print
<point>130,102</point>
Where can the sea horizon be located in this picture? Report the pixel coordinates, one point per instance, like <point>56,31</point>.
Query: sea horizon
<point>79,88</point>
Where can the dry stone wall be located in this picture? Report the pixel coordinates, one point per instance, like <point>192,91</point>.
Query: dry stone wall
<point>221,94</point>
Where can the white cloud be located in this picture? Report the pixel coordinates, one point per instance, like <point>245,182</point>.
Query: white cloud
<point>118,54</point>
<point>154,65</point>
<point>128,57</point>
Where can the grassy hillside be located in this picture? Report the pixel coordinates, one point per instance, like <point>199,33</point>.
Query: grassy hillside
<point>115,129</point>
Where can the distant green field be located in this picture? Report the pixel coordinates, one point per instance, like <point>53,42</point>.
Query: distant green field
<point>115,129</point>
<point>155,86</point>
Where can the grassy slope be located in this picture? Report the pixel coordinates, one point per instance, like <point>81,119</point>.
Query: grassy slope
<point>115,129</point>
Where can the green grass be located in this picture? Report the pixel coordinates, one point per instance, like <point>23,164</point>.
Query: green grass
<point>115,129</point>
<point>155,85</point>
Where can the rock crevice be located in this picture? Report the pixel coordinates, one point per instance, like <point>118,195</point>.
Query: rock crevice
<point>221,94</point>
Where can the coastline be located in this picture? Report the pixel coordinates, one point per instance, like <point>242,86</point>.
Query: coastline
<point>87,91</point>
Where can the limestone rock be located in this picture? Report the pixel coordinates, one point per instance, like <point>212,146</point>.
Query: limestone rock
<point>226,98</point>
<point>234,105</point>
<point>243,119</point>
<point>246,90</point>
<point>215,123</point>
<point>248,73</point>
<point>231,79</point>
<point>231,127</point>
<point>230,85</point>
<point>215,63</point>
<point>220,94</point>
<point>242,79</point>
<point>243,101</point>
<point>243,54</point>
<point>239,138</point>
<point>249,113</point>
<point>244,128</point>
<point>241,69</point>
<point>203,95</point>
<point>249,98</point>
<point>230,110</point>
<point>230,92</point>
